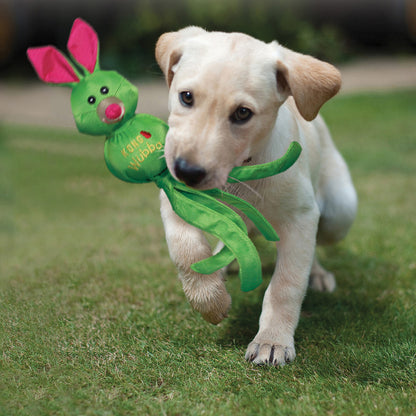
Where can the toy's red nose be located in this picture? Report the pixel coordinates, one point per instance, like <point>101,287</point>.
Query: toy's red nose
<point>113,111</point>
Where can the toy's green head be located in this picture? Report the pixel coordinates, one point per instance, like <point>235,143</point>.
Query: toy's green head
<point>101,100</point>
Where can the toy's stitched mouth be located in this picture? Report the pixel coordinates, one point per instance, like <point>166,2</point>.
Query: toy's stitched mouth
<point>111,110</point>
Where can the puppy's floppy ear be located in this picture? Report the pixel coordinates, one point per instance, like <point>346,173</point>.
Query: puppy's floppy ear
<point>310,81</point>
<point>169,49</point>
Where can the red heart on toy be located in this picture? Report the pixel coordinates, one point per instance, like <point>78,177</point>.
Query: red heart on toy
<point>146,134</point>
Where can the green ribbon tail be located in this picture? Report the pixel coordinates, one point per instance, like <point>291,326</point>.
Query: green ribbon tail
<point>225,256</point>
<point>252,213</point>
<point>216,262</point>
<point>204,198</point>
<point>221,259</point>
<point>221,221</point>
<point>246,173</point>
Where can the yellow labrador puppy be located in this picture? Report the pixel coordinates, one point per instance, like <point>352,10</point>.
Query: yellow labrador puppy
<point>235,100</point>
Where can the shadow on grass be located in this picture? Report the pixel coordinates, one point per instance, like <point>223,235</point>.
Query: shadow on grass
<point>362,332</point>
<point>363,305</point>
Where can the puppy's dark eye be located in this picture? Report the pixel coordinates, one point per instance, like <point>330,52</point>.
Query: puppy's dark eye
<point>241,115</point>
<point>104,90</point>
<point>186,98</point>
<point>91,99</point>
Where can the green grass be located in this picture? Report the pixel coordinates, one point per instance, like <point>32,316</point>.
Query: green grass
<point>93,320</point>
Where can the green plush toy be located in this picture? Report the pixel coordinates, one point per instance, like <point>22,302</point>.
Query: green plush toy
<point>104,103</point>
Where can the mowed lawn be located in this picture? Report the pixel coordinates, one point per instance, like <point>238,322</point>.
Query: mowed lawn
<point>93,320</point>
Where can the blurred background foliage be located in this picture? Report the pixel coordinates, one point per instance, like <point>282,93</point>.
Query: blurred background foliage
<point>266,20</point>
<point>128,29</point>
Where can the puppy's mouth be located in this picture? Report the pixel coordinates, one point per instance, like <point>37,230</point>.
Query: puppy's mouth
<point>191,174</point>
<point>198,173</point>
<point>197,177</point>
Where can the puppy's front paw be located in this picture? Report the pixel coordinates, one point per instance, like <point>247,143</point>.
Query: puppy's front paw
<point>216,309</point>
<point>270,353</point>
<point>209,297</point>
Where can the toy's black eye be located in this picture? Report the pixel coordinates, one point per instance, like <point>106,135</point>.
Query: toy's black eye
<point>241,115</point>
<point>91,99</point>
<point>186,98</point>
<point>104,90</point>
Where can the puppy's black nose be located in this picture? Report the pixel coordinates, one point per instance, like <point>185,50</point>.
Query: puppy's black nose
<point>191,174</point>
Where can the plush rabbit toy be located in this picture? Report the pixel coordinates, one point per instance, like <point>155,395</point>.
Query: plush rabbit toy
<point>104,103</point>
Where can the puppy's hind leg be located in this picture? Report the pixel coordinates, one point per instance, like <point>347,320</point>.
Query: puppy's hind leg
<point>337,201</point>
<point>320,279</point>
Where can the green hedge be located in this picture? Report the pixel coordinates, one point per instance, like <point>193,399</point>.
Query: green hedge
<point>131,47</point>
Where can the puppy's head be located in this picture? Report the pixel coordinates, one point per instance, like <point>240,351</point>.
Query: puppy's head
<point>225,91</point>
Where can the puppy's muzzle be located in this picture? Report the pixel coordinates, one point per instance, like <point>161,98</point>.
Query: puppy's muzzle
<point>192,175</point>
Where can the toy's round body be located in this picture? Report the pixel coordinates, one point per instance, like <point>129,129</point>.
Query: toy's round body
<point>134,153</point>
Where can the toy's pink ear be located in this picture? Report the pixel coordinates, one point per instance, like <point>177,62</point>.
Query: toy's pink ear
<point>51,65</point>
<point>83,44</point>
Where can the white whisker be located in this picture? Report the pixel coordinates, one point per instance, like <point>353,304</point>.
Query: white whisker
<point>248,187</point>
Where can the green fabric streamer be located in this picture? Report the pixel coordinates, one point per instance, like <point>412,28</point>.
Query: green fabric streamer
<point>103,102</point>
